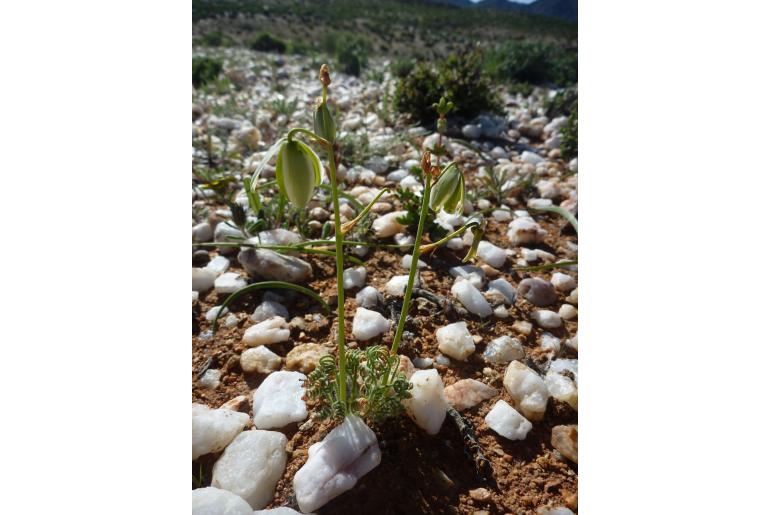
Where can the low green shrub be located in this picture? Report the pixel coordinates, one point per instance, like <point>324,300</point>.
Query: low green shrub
<point>205,70</point>
<point>533,63</point>
<point>402,67</point>
<point>265,42</point>
<point>352,53</point>
<point>215,39</point>
<point>460,78</point>
<point>569,135</point>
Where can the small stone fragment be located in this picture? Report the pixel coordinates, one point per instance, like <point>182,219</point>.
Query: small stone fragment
<point>527,389</point>
<point>229,282</point>
<point>251,466</point>
<point>505,288</point>
<point>466,393</point>
<point>491,254</point>
<point>210,379</point>
<point>567,311</point>
<point>203,279</point>
<point>367,324</point>
<point>427,406</point>
<point>503,350</point>
<point>546,319</point>
<point>354,277</point>
<point>336,463</point>
<point>304,357</point>
<point>272,330</point>
<point>455,341</point>
<point>387,225</point>
<point>278,400</point>
<point>563,282</point>
<point>507,422</point>
<point>269,309</point>
<point>537,291</point>
<point>213,429</point>
<point>215,501</point>
<point>368,297</point>
<point>260,359</point>
<point>471,298</point>
<point>565,440</point>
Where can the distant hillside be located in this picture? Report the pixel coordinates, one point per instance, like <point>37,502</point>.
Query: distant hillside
<point>564,9</point>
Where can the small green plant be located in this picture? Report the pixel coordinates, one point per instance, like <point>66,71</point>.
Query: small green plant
<point>352,53</point>
<point>215,39</point>
<point>265,42</point>
<point>459,77</point>
<point>569,135</point>
<point>205,70</point>
<point>402,67</point>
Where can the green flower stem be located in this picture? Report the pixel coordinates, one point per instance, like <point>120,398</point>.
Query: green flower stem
<point>341,358</point>
<point>547,266</point>
<point>561,211</point>
<point>352,223</point>
<point>458,232</point>
<point>310,134</point>
<point>412,267</point>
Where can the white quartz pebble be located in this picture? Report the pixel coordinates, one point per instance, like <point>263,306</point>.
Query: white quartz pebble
<point>455,341</point>
<point>503,350</point>
<point>567,311</point>
<point>527,389</point>
<point>203,279</point>
<point>260,359</point>
<point>507,422</point>
<point>505,288</point>
<point>215,501</point>
<point>406,262</point>
<point>229,282</point>
<point>388,225</point>
<point>281,510</point>
<point>354,277</point>
<point>471,298</point>
<point>272,330</point>
<point>368,297</point>
<point>213,429</point>
<point>563,282</point>
<point>367,324</point>
<point>546,319</point>
<point>268,309</point>
<point>218,265</point>
<point>524,230</point>
<point>251,466</point>
<point>212,313</point>
<point>278,400</point>
<point>491,254</point>
<point>550,343</point>
<point>427,406</point>
<point>466,393</point>
<point>210,379</point>
<point>336,463</point>
<point>396,286</point>
<point>473,274</point>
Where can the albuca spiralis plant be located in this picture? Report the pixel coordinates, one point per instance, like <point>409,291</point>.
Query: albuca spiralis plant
<point>361,382</point>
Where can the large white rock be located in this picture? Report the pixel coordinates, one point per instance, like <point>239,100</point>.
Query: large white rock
<point>278,400</point>
<point>527,389</point>
<point>503,349</point>
<point>272,266</point>
<point>268,309</point>
<point>213,429</point>
<point>367,324</point>
<point>203,279</point>
<point>354,277</point>
<point>251,466</point>
<point>272,330</point>
<point>455,341</point>
<point>260,359</point>
<point>491,254</point>
<point>229,282</point>
<point>427,406</point>
<point>387,225</point>
<point>507,422</point>
<point>471,298</point>
<point>218,265</point>
<point>335,464</point>
<point>215,501</point>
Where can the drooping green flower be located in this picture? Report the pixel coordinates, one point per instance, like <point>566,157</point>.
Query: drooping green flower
<point>298,172</point>
<point>449,191</point>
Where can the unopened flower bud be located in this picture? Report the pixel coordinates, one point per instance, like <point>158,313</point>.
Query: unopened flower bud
<point>298,172</point>
<point>449,191</point>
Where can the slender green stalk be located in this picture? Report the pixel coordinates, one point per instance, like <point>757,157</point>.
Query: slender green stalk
<point>458,232</point>
<point>352,223</point>
<point>413,266</point>
<point>342,375</point>
<point>561,211</point>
